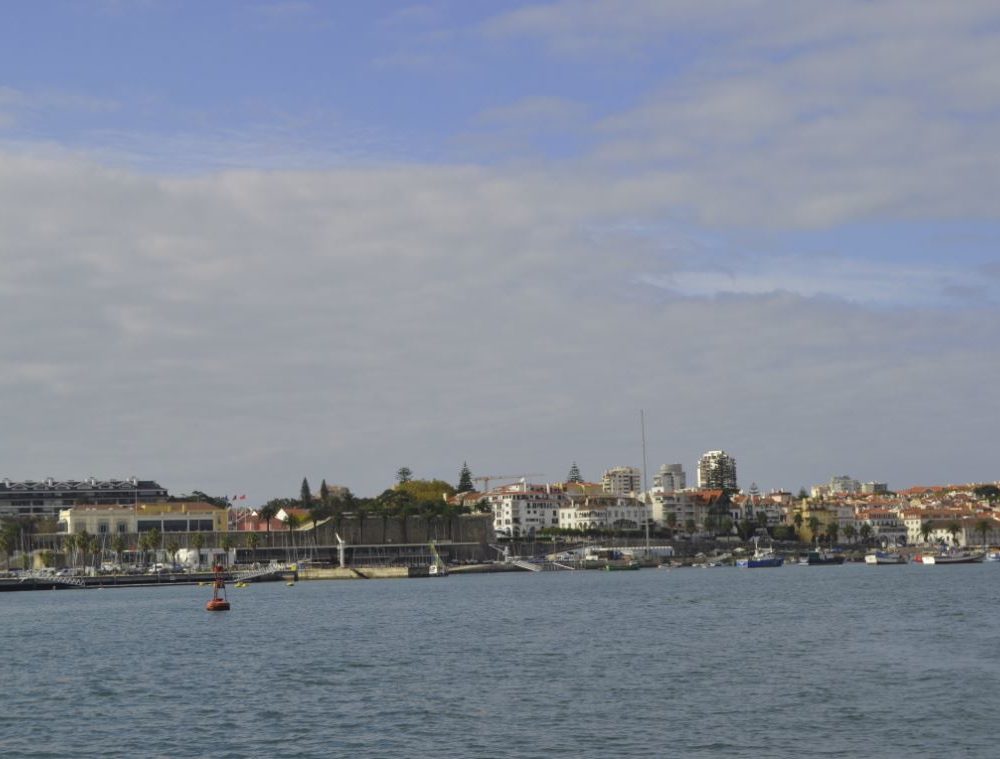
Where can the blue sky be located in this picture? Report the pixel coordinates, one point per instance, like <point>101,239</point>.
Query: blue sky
<point>332,239</point>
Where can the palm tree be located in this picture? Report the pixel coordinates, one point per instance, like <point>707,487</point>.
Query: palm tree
<point>984,526</point>
<point>797,519</point>
<point>293,522</point>
<point>197,541</point>
<point>118,545</point>
<point>173,546</point>
<point>83,543</point>
<point>954,528</point>
<point>69,545</point>
<point>832,529</point>
<point>672,522</point>
<point>866,532</point>
<point>226,543</point>
<point>814,528</point>
<point>850,532</point>
<point>267,512</point>
<point>926,528</point>
<point>253,540</point>
<point>6,543</point>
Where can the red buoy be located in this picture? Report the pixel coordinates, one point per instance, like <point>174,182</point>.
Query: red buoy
<point>218,602</point>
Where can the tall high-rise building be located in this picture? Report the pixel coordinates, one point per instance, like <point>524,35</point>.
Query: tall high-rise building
<point>671,478</point>
<point>622,480</point>
<point>717,470</point>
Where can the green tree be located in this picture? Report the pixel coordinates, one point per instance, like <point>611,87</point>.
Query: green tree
<point>814,527</point>
<point>403,475</point>
<point>173,546</point>
<point>797,519</point>
<point>268,511</point>
<point>990,492</point>
<point>118,545</point>
<point>866,532</point>
<point>305,494</point>
<point>672,522</point>
<point>292,522</point>
<point>7,543</point>
<point>926,528</point>
<point>574,474</point>
<point>690,526</point>
<point>324,493</point>
<point>226,543</point>
<point>423,492</point>
<point>69,546</point>
<point>850,531</point>
<point>832,530</point>
<point>953,529</point>
<point>984,526</point>
<point>197,541</point>
<point>465,479</point>
<point>253,540</point>
<point>803,495</point>
<point>726,525</point>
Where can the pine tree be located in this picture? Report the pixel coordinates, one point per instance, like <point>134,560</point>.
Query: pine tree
<point>403,475</point>
<point>306,494</point>
<point>465,479</point>
<point>574,474</point>
<point>324,493</point>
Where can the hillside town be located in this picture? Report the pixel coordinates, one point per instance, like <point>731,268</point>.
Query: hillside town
<point>133,515</point>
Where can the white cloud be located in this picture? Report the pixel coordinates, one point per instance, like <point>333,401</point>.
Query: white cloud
<point>244,329</point>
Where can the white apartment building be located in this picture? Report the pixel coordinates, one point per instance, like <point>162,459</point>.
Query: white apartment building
<point>603,512</point>
<point>622,480</point>
<point>523,509</point>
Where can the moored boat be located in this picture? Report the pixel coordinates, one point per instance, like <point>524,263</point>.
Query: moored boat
<point>823,558</point>
<point>961,557</point>
<point>761,557</point>
<point>884,557</point>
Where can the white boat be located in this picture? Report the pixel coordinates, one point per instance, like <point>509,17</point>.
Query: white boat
<point>952,558</point>
<point>884,557</point>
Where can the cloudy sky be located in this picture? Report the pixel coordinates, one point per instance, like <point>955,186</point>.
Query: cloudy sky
<point>243,243</point>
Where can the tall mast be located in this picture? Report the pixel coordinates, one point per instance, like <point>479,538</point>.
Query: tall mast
<point>645,488</point>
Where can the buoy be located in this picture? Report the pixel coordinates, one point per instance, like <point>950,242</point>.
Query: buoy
<point>218,602</point>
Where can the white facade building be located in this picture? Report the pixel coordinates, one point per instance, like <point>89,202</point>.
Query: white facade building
<point>522,509</point>
<point>603,512</point>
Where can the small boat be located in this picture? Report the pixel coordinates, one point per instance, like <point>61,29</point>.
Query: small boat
<point>960,557</point>
<point>823,558</point>
<point>881,558</point>
<point>762,557</point>
<point>617,567</point>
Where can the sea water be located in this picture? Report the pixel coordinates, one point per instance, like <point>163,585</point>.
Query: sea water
<point>789,662</point>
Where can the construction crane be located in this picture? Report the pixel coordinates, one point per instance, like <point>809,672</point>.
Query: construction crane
<point>486,479</point>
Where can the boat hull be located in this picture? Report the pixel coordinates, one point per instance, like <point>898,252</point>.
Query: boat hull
<point>884,559</point>
<point>775,561</point>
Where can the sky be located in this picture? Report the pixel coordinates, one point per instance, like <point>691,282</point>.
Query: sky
<point>246,243</point>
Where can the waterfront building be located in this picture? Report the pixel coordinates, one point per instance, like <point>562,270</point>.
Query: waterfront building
<point>48,497</point>
<point>886,525</point>
<point>603,512</point>
<point>717,470</point>
<point>169,516</point>
<point>622,480</point>
<point>522,509</point>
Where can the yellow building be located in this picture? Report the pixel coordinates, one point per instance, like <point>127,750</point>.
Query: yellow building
<point>166,516</point>
<point>825,518</point>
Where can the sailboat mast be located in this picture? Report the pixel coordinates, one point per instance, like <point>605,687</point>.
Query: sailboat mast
<point>645,487</point>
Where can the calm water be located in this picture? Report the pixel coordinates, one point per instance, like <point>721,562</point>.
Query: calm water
<point>817,661</point>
